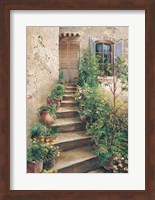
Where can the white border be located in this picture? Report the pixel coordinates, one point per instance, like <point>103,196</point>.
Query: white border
<point>135,179</point>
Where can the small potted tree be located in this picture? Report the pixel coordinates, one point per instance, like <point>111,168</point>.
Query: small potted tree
<point>47,114</point>
<point>36,152</point>
<point>49,159</point>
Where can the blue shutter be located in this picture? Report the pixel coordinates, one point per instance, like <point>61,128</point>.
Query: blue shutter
<point>118,49</point>
<point>92,45</point>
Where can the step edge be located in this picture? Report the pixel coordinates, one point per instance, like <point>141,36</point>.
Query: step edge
<point>73,140</point>
<point>67,124</point>
<point>66,166</point>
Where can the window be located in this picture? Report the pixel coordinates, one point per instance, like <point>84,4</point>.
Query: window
<point>108,51</point>
<point>104,51</point>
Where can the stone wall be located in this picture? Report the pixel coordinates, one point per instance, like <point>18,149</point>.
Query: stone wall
<point>42,67</point>
<point>112,34</point>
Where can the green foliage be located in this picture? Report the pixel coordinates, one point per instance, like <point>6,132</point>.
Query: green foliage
<point>58,92</point>
<point>106,117</point>
<point>36,151</point>
<point>39,129</point>
<point>51,153</point>
<point>51,109</point>
<point>88,69</point>
<point>92,100</point>
<point>120,145</point>
<point>61,75</point>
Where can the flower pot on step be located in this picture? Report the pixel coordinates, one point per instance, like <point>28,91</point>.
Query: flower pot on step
<point>56,102</point>
<point>47,118</point>
<point>50,138</point>
<point>35,167</point>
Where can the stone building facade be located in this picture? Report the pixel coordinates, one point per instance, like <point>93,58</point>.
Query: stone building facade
<point>54,49</point>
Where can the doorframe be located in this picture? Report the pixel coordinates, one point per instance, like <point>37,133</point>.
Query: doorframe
<point>68,41</point>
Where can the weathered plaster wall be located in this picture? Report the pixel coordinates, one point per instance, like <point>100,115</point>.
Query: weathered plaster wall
<point>112,34</point>
<point>42,67</point>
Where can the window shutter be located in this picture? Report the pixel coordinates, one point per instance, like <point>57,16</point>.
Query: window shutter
<point>92,45</point>
<point>118,49</point>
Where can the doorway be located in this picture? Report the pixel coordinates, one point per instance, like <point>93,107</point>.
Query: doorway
<point>69,57</point>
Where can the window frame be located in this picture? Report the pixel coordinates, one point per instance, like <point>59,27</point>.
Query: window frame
<point>111,52</point>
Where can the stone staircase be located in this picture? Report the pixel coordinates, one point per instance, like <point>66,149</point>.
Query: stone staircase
<point>75,145</point>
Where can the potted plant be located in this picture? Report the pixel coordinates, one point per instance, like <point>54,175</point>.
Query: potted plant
<point>54,100</point>
<point>49,159</point>
<point>56,95</point>
<point>61,77</point>
<point>50,135</point>
<point>47,114</point>
<point>36,152</point>
<point>37,130</point>
<point>43,133</point>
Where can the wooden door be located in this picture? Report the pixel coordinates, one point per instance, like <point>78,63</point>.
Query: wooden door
<point>69,56</point>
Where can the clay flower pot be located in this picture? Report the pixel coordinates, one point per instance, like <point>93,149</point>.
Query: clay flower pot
<point>50,138</point>
<point>35,167</point>
<point>52,101</point>
<point>47,118</point>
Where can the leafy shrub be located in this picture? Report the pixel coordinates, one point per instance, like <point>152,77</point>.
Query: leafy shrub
<point>88,69</point>
<point>58,92</point>
<point>36,151</point>
<point>106,114</point>
<point>39,129</point>
<point>51,109</point>
<point>61,75</point>
<point>51,153</point>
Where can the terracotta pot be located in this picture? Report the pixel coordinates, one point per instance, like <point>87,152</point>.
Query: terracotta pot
<point>49,164</point>
<point>47,118</point>
<point>39,138</point>
<point>35,167</point>
<point>56,102</point>
<point>50,138</point>
<point>43,139</point>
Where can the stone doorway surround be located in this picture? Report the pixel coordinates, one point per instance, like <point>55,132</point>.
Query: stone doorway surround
<point>69,50</point>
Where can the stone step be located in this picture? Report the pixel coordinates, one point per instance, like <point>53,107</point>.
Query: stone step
<point>69,124</point>
<point>66,112</point>
<point>72,140</point>
<point>68,97</point>
<point>79,160</point>
<point>70,87</point>
<point>69,84</point>
<point>99,170</point>
<point>68,103</point>
<point>70,92</point>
